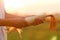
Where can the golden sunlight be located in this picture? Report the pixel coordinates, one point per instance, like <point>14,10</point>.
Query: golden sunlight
<point>31,6</point>
<point>54,38</point>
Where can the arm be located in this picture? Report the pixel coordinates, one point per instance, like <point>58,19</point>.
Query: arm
<point>13,22</point>
<point>20,22</point>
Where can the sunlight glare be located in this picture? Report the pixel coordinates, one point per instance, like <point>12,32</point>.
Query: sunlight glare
<point>30,6</point>
<point>54,38</point>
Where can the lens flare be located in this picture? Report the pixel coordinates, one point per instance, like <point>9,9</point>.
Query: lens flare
<point>54,38</point>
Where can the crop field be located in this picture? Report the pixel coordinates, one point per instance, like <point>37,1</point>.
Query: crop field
<point>39,32</point>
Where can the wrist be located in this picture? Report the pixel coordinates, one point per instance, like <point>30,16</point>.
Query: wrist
<point>30,20</point>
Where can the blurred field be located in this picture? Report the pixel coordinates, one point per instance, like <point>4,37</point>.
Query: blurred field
<point>39,32</point>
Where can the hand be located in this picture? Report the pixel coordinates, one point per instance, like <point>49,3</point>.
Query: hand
<point>37,21</point>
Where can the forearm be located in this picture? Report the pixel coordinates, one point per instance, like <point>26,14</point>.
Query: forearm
<point>13,22</point>
<point>18,23</point>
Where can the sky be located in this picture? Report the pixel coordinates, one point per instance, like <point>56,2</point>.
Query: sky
<point>35,7</point>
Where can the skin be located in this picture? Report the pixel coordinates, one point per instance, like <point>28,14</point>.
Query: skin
<point>19,22</point>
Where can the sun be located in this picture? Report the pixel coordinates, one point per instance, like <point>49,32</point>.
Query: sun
<point>13,4</point>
